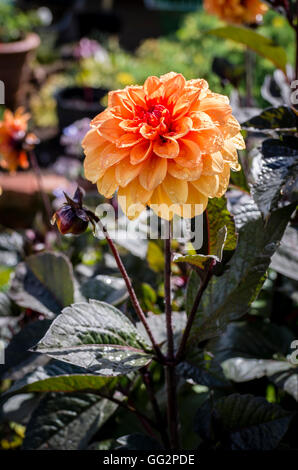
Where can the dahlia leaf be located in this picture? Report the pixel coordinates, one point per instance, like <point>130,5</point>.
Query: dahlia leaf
<point>277,174</point>
<point>67,421</point>
<point>285,259</point>
<point>242,422</point>
<point>138,441</point>
<point>229,296</point>
<point>98,337</point>
<point>220,237</point>
<point>43,283</point>
<point>109,289</point>
<point>281,118</point>
<point>58,376</point>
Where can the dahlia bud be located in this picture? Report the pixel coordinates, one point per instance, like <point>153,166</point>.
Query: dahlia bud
<point>72,217</point>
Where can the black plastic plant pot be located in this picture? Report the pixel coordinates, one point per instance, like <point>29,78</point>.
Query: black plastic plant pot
<point>74,103</point>
<point>103,21</point>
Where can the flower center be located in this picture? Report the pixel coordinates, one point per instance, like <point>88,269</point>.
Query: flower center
<point>156,116</point>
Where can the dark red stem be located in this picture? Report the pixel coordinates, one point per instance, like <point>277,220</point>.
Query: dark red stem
<point>147,379</point>
<point>131,291</point>
<point>171,381</point>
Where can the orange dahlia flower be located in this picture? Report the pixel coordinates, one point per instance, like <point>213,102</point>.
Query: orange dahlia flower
<point>14,139</point>
<point>236,11</point>
<point>169,144</point>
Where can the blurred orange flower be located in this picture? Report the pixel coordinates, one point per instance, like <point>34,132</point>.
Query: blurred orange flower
<point>167,144</point>
<point>14,139</point>
<point>236,11</point>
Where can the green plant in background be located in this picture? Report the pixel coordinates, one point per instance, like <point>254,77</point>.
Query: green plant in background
<point>14,23</point>
<point>190,51</point>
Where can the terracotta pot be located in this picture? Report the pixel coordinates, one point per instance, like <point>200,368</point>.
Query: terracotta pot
<point>14,69</point>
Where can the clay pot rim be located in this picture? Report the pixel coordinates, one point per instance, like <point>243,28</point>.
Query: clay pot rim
<point>31,41</point>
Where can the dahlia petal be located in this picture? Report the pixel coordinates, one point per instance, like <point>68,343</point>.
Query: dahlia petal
<point>133,198</point>
<point>140,152</point>
<point>176,189</point>
<point>231,128</point>
<point>151,85</point>
<point>125,172</point>
<point>207,185</point>
<point>148,132</point>
<point>166,147</point>
<point>111,155</point>
<point>129,125</point>
<point>128,140</point>
<point>92,140</point>
<point>238,141</point>
<point>119,98</point>
<point>180,128</point>
<point>162,205</point>
<point>100,118</point>
<point>196,203</point>
<point>174,88</point>
<point>107,185</point>
<point>110,130</point>
<point>92,168</point>
<point>184,173</point>
<point>209,140</point>
<point>201,121</point>
<point>224,179</point>
<point>229,152</point>
<point>153,172</point>
<point>213,164</point>
<point>201,85</point>
<point>137,95</point>
<point>183,104</point>
<point>189,155</point>
<point>217,107</point>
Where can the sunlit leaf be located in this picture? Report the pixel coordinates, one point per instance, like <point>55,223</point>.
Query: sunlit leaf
<point>219,235</point>
<point>98,337</point>
<point>58,376</point>
<point>281,118</point>
<point>278,169</point>
<point>258,43</point>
